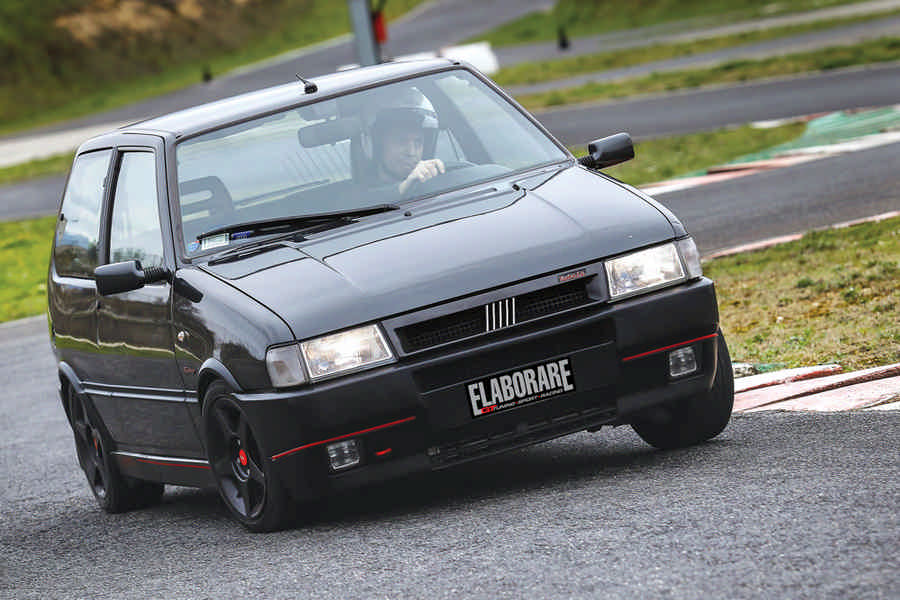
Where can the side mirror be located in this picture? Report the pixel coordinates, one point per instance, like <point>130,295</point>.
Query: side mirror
<point>608,151</point>
<point>126,276</point>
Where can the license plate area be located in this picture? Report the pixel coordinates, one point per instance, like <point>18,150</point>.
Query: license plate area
<point>520,387</point>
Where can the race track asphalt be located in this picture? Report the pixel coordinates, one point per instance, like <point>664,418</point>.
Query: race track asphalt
<point>690,111</point>
<point>780,505</point>
<point>792,505</point>
<point>790,200</point>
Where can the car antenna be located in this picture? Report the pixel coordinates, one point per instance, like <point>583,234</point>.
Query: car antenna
<point>308,86</point>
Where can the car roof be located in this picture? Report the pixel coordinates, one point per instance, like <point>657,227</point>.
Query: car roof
<point>229,110</point>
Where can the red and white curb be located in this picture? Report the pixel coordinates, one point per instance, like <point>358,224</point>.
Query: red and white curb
<point>788,159</point>
<point>727,172</point>
<point>822,389</point>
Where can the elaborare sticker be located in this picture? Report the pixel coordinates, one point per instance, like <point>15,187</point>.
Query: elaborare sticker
<point>214,241</point>
<point>521,386</point>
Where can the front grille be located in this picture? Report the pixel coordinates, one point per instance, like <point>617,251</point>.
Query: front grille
<point>550,301</point>
<point>488,318</point>
<point>445,329</point>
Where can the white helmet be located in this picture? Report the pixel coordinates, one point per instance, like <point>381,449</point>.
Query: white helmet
<point>409,108</point>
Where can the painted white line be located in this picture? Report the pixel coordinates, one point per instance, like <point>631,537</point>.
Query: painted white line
<point>773,123</point>
<point>874,219</point>
<point>774,241</point>
<point>855,145</point>
<point>674,185</point>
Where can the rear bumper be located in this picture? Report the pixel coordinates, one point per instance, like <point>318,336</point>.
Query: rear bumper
<point>415,415</point>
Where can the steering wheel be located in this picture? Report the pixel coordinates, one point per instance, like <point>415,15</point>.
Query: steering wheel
<point>456,173</point>
<point>455,165</point>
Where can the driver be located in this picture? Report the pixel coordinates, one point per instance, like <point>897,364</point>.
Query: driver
<point>400,135</point>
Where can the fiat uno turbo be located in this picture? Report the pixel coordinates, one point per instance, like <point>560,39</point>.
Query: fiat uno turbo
<point>387,270</point>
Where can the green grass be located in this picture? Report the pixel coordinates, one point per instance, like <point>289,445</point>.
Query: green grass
<point>585,17</point>
<point>535,72</point>
<point>663,158</point>
<point>830,297</point>
<point>24,256</point>
<point>870,52</point>
<point>54,165</point>
<point>37,88</point>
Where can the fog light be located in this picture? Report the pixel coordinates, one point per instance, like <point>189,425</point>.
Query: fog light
<point>343,455</point>
<point>682,362</point>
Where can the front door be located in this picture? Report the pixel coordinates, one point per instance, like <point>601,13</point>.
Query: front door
<point>135,328</point>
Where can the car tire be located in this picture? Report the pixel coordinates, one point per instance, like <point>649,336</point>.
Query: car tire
<point>244,476</point>
<point>696,419</point>
<point>115,493</point>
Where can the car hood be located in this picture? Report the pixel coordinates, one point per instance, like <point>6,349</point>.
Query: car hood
<point>445,248</point>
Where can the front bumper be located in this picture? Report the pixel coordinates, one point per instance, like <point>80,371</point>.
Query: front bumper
<point>415,415</point>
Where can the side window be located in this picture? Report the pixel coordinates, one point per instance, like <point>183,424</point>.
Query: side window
<point>78,229</point>
<point>134,231</point>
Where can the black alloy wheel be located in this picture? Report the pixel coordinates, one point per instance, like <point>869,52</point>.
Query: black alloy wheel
<point>242,472</point>
<point>697,419</point>
<point>114,492</point>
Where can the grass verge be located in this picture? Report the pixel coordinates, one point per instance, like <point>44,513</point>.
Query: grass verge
<point>24,256</point>
<point>54,165</point>
<point>663,158</point>
<point>831,296</point>
<point>835,57</point>
<point>536,72</point>
<point>580,18</point>
<point>164,65</point>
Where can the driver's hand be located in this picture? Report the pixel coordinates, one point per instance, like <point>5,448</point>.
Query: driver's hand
<point>425,170</point>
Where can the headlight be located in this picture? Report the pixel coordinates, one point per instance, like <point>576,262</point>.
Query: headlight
<point>346,351</point>
<point>643,271</point>
<point>284,365</point>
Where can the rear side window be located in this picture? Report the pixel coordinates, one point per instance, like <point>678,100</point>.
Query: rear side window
<point>75,251</point>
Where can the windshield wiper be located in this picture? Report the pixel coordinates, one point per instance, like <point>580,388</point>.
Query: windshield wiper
<point>266,226</point>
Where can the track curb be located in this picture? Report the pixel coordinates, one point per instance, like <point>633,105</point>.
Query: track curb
<point>820,389</point>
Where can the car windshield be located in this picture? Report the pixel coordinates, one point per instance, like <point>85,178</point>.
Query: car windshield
<point>384,145</point>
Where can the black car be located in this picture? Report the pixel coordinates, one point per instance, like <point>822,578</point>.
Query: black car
<point>304,289</point>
